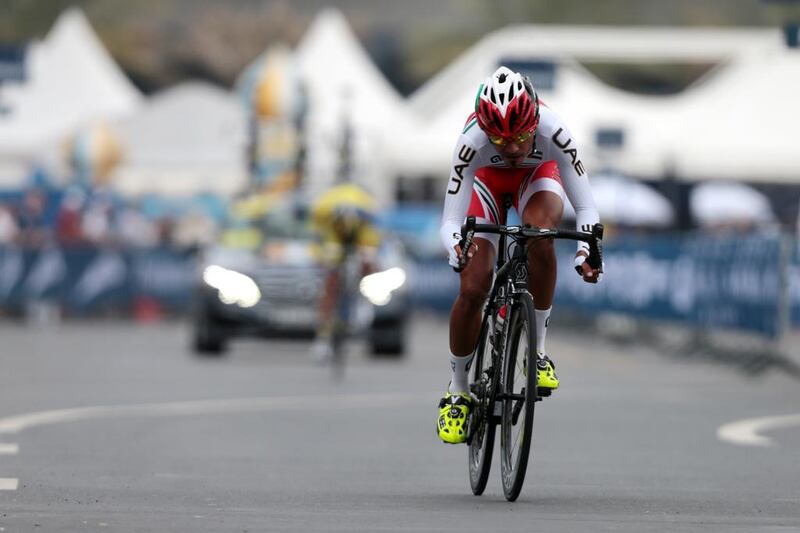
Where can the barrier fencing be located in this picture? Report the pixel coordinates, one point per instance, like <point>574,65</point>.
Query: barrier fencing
<point>749,283</point>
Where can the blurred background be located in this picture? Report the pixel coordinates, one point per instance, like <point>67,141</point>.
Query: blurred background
<point>158,160</point>
<point>142,142</point>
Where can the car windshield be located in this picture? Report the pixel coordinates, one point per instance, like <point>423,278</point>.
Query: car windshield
<point>283,224</point>
<point>279,223</point>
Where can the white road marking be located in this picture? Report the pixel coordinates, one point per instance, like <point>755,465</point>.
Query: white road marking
<point>8,448</point>
<point>8,483</point>
<point>15,424</point>
<point>747,432</point>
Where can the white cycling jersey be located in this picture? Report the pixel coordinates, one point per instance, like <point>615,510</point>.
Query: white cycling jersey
<point>474,152</point>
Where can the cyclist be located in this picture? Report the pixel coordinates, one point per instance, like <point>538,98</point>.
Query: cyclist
<point>512,144</point>
<point>344,220</point>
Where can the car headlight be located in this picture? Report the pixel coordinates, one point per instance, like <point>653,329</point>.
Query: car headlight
<point>234,287</point>
<point>378,287</point>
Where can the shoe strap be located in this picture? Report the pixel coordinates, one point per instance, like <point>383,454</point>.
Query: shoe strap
<point>455,399</point>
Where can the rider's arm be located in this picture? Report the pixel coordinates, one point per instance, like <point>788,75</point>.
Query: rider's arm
<point>459,194</point>
<point>565,151</point>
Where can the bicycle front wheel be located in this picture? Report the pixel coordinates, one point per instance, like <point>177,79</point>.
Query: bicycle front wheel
<point>482,430</point>
<point>519,386</point>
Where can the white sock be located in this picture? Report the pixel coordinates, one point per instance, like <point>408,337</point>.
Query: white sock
<point>460,379</point>
<point>542,321</point>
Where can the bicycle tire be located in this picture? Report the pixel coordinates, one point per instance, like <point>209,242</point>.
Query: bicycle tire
<point>338,337</point>
<point>518,414</point>
<point>341,320</point>
<point>481,445</point>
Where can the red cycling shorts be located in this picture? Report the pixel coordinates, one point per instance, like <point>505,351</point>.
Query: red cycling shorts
<point>492,183</point>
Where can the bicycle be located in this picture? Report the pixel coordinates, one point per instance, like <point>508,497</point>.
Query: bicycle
<point>349,275</point>
<point>504,362</point>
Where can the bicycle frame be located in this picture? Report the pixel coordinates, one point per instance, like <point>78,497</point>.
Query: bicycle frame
<point>499,402</point>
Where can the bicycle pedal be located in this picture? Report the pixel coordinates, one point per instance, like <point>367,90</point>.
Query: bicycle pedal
<point>543,392</point>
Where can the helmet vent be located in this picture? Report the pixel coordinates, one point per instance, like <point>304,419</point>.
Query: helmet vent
<point>507,104</point>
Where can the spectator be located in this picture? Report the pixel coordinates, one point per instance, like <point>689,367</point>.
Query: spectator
<point>34,232</point>
<point>69,231</point>
<point>165,229</point>
<point>135,230</point>
<point>9,229</point>
<point>195,229</point>
<point>96,224</point>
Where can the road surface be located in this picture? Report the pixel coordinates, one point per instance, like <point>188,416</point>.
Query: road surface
<point>115,426</point>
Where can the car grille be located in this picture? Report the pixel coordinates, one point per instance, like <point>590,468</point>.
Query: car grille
<point>284,284</point>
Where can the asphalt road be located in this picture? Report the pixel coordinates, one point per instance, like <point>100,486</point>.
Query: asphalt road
<point>115,427</point>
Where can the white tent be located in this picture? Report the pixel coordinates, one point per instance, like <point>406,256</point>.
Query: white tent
<point>688,133</point>
<point>72,81</point>
<point>742,122</point>
<point>599,43</point>
<point>720,203</point>
<point>186,139</point>
<point>576,100</point>
<point>345,86</point>
<point>625,201</point>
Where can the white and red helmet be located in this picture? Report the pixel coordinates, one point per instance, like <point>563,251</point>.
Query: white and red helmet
<point>506,104</point>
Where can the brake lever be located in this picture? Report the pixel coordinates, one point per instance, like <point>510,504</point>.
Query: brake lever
<point>465,244</point>
<point>467,234</point>
<point>595,258</point>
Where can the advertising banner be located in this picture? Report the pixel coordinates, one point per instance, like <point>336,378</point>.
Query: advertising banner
<point>707,282</point>
<point>738,283</point>
<point>85,280</point>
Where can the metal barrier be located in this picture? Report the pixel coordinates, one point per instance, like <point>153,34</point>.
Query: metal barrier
<point>733,283</point>
<point>747,283</point>
<point>88,280</point>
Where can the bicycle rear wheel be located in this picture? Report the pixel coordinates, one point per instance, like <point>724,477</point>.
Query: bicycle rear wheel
<point>519,386</point>
<point>482,430</point>
<point>345,304</point>
<point>338,338</point>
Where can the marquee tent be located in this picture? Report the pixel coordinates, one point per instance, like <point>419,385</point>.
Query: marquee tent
<point>346,89</point>
<point>690,134</point>
<point>742,122</point>
<point>72,81</point>
<point>190,138</point>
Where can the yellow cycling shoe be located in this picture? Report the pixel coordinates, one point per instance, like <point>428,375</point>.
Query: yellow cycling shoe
<point>546,379</point>
<point>454,412</point>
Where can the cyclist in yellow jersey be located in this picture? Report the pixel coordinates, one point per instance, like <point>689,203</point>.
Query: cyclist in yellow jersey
<point>343,217</point>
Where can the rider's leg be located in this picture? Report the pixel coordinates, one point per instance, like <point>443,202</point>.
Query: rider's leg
<point>542,198</point>
<point>321,348</point>
<point>328,301</point>
<point>465,317</point>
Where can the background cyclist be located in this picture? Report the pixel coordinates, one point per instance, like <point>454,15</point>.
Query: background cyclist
<point>511,144</point>
<point>343,217</point>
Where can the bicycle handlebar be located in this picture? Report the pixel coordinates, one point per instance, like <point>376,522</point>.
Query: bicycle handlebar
<point>593,238</point>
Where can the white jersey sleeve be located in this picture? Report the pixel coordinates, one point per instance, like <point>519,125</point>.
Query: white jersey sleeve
<point>459,193</point>
<point>562,147</point>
